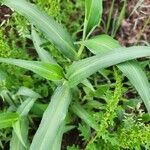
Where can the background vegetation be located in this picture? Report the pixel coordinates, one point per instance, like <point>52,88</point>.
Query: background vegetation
<point>107,111</point>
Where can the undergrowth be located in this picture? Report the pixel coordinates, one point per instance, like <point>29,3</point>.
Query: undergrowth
<point>107,111</point>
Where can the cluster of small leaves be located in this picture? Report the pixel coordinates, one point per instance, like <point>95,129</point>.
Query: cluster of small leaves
<point>107,118</point>
<point>133,134</point>
<point>52,7</point>
<point>12,50</point>
<point>128,133</point>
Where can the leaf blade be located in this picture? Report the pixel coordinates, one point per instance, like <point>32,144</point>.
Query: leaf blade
<point>92,7</point>
<point>84,115</point>
<point>86,67</point>
<point>43,54</point>
<point>133,71</point>
<point>52,119</point>
<point>46,70</point>
<point>22,130</point>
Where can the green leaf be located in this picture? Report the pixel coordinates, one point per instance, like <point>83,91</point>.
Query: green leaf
<point>88,84</point>
<point>7,119</point>
<point>46,70</point>
<point>110,16</point>
<point>18,132</point>
<point>101,44</point>
<point>120,18</point>
<point>104,43</point>
<point>93,14</point>
<point>5,95</point>
<point>52,119</point>
<point>38,109</point>
<point>58,139</point>
<point>139,80</point>
<point>85,131</point>
<point>25,107</point>
<point>3,76</point>
<point>82,69</point>
<point>24,91</point>
<point>21,129</point>
<point>43,54</point>
<point>52,30</point>
<point>84,115</point>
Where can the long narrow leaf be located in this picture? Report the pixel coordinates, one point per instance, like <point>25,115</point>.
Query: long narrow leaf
<point>86,67</point>
<point>120,18</point>
<point>25,107</point>
<point>110,15</point>
<point>46,70</point>
<point>53,31</point>
<point>52,119</point>
<point>22,130</point>
<point>93,13</point>
<point>139,80</point>
<point>84,115</point>
<point>103,43</point>
<point>43,54</point>
<point>24,91</point>
<point>58,139</point>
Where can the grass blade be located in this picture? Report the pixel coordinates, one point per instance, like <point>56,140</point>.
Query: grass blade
<point>101,44</point>
<point>22,130</point>
<point>46,70</point>
<point>86,67</point>
<point>120,18</point>
<point>52,119</point>
<point>58,139</point>
<point>25,107</point>
<point>52,30</point>
<point>84,115</point>
<point>110,16</point>
<point>93,14</point>
<point>88,84</point>
<point>139,80</point>
<point>24,91</point>
<point>43,54</point>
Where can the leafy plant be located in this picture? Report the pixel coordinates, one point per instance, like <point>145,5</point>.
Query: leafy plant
<point>68,76</point>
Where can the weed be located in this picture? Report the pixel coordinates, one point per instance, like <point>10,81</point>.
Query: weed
<point>75,76</point>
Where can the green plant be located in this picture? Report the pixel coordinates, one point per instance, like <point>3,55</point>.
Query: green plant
<point>8,49</point>
<point>69,75</point>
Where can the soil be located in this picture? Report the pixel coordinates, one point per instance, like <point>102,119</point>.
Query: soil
<point>5,13</point>
<point>134,23</point>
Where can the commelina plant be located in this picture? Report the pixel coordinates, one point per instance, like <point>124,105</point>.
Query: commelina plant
<point>107,52</point>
